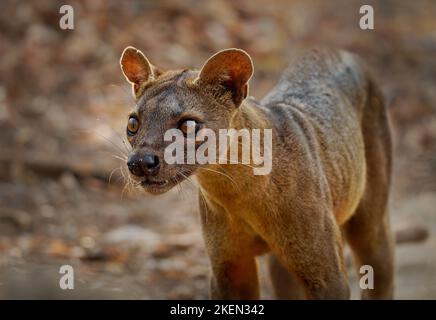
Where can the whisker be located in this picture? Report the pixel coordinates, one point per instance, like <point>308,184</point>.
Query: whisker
<point>205,204</point>
<point>223,174</point>
<point>128,182</point>
<point>122,157</point>
<point>119,158</point>
<point>118,148</point>
<point>187,179</point>
<point>179,188</point>
<point>126,146</point>
<point>112,172</point>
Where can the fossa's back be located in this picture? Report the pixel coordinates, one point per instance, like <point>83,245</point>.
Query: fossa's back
<point>323,106</point>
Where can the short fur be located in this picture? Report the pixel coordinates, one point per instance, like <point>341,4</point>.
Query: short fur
<point>330,177</point>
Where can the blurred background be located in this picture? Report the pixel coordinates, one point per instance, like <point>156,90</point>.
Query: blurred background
<point>63,108</point>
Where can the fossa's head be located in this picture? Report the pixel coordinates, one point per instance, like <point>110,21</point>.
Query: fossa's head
<point>178,99</point>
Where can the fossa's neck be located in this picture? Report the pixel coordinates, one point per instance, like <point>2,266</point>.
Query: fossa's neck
<point>219,179</point>
<point>249,116</point>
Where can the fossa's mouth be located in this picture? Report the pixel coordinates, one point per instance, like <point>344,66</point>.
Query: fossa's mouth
<point>156,186</point>
<point>162,186</point>
<point>147,183</point>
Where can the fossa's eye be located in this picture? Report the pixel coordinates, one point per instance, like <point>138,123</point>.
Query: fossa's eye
<point>132,125</point>
<point>185,124</point>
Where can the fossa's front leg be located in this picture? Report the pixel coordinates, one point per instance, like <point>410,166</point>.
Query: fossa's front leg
<point>234,269</point>
<point>309,245</point>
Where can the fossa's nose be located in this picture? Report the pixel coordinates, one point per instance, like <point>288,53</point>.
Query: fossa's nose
<point>140,166</point>
<point>151,161</point>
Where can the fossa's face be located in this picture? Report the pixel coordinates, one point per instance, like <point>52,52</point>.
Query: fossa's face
<point>169,101</point>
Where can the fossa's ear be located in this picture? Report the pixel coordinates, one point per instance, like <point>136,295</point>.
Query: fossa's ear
<point>136,68</point>
<point>230,69</point>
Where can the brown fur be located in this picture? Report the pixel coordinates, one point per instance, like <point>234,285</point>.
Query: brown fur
<point>330,177</point>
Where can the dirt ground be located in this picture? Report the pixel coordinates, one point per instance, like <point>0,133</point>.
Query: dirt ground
<point>63,107</point>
